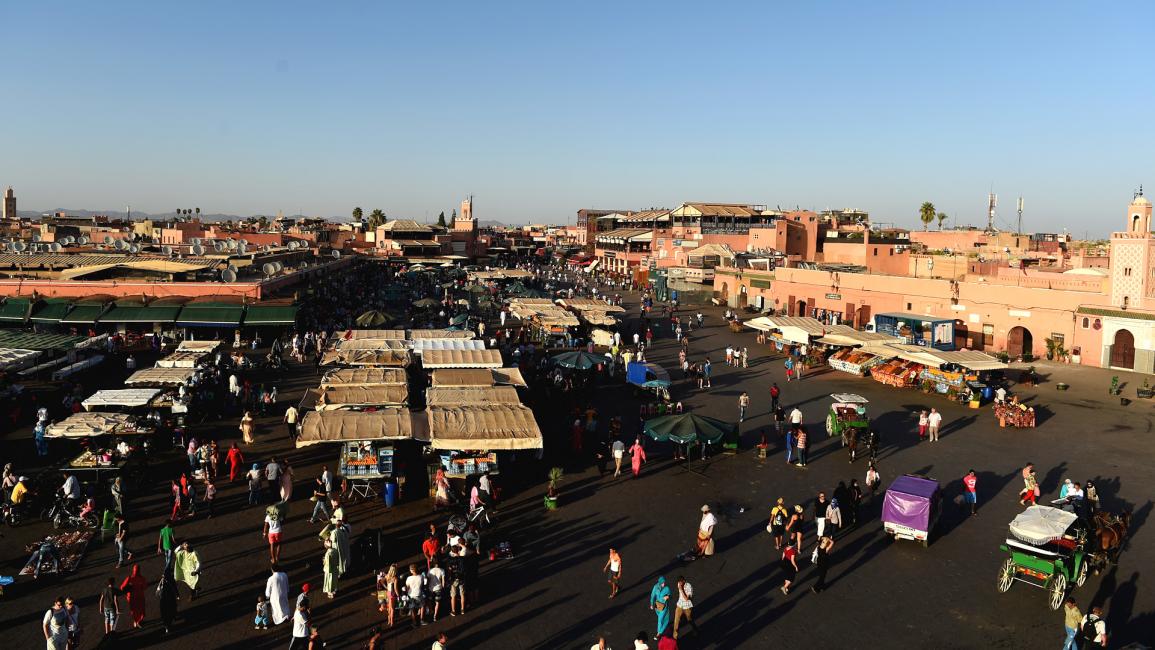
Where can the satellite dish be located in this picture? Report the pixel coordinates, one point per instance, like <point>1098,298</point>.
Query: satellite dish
<point>241,248</point>
<point>36,238</point>
<point>20,246</point>
<point>243,242</point>
<point>219,246</point>
<point>134,249</point>
<point>195,241</point>
<point>198,250</point>
<point>231,244</point>
<point>167,250</point>
<point>336,255</point>
<point>231,267</point>
<point>268,268</point>
<point>56,248</point>
<point>267,248</point>
<point>108,239</point>
<point>229,275</point>
<point>118,244</point>
<point>293,245</point>
<point>278,267</point>
<point>82,241</point>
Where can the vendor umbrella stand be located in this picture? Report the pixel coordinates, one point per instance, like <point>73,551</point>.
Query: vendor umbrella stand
<point>685,428</point>
<point>578,360</point>
<point>373,318</point>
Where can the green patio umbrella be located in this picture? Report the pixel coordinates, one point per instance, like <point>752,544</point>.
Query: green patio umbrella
<point>373,318</point>
<point>578,360</point>
<point>687,427</point>
<point>426,302</point>
<point>459,319</point>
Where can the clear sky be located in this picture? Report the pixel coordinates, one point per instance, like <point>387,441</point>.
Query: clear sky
<point>541,108</point>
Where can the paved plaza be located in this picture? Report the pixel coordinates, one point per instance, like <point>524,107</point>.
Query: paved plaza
<point>552,594</point>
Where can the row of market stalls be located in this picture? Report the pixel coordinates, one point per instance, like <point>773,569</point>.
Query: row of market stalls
<point>963,375</point>
<point>178,312</point>
<point>27,354</point>
<point>366,404</point>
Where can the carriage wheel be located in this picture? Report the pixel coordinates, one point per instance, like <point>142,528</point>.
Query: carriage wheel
<point>1058,590</point>
<point>829,426</point>
<point>1081,579</point>
<point>1006,575</point>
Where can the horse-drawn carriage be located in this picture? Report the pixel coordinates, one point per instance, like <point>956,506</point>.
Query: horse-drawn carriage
<point>1054,549</point>
<point>847,418</point>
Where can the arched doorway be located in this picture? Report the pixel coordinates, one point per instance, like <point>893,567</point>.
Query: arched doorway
<point>1123,350</point>
<point>1020,342</point>
<point>724,294</point>
<point>801,308</point>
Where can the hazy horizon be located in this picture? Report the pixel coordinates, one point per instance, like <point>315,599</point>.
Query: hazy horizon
<point>540,110</point>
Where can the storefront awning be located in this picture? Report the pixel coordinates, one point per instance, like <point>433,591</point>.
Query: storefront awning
<point>83,315</point>
<point>270,315</point>
<point>210,315</point>
<point>15,310</point>
<point>490,427</point>
<point>344,426</point>
<point>141,314</point>
<point>50,312</point>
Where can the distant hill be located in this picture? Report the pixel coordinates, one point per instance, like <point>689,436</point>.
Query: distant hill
<point>490,223</point>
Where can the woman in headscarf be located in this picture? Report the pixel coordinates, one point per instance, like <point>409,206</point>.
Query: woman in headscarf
<point>660,604</point>
<point>277,591</point>
<point>187,567</point>
<point>234,459</point>
<point>330,565</point>
<point>247,428</point>
<point>166,592</point>
<point>286,482</point>
<point>133,588</point>
<point>638,456</point>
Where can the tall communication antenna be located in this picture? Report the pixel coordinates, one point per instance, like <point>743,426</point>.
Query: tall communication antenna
<point>1020,231</point>
<point>992,202</point>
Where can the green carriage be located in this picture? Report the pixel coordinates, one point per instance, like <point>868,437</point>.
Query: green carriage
<point>847,416</point>
<point>1046,549</point>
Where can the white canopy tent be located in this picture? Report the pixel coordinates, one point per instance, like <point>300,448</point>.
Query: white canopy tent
<point>129,397</point>
<point>160,377</point>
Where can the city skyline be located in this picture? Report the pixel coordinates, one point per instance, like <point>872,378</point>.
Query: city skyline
<point>540,111</point>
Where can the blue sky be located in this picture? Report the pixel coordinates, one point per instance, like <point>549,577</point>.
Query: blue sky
<point>541,108</point>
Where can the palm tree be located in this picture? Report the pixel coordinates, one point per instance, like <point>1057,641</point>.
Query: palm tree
<point>357,213</point>
<point>927,214</point>
<point>376,218</point>
<point>941,219</point>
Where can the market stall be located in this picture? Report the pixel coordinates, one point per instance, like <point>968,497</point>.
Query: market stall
<point>87,425</point>
<point>364,377</point>
<point>369,344</point>
<point>366,441</point>
<point>70,547</point>
<point>373,334</point>
<point>461,359</point>
<point>160,377</point>
<point>388,358</point>
<point>440,396</point>
<point>460,377</point>
<point>360,397</point>
<point>488,427</point>
<point>420,346</point>
<point>418,334</point>
<point>1013,414</point>
<point>121,397</point>
<point>897,372</point>
<point>854,361</point>
<point>184,359</point>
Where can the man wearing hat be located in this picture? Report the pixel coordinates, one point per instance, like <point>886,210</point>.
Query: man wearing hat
<point>705,544</point>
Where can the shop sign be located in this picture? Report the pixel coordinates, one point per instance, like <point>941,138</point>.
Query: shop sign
<point>834,296</point>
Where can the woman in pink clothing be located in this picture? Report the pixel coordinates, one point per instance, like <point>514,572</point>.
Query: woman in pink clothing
<point>639,456</point>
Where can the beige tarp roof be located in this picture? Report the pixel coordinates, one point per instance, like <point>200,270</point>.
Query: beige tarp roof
<point>337,426</point>
<point>461,359</point>
<point>598,318</point>
<point>336,396</point>
<point>490,427</point>
<point>198,346</point>
<point>499,274</point>
<point>464,377</point>
<point>421,346</point>
<point>366,357</point>
<point>364,377</point>
<point>83,425</point>
<point>438,396</point>
<point>374,334</point>
<point>182,360</point>
<point>160,377</point>
<point>590,304</point>
<point>440,334</point>
<point>370,344</point>
<point>121,397</point>
<point>848,336</point>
